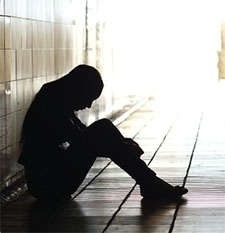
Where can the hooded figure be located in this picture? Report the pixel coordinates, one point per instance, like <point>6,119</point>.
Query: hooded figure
<point>58,149</point>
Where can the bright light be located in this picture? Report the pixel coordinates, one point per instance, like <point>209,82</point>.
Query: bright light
<point>168,48</point>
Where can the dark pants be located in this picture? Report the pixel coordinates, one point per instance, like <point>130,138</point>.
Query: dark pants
<point>101,138</point>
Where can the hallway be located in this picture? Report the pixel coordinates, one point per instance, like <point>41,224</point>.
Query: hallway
<point>184,147</point>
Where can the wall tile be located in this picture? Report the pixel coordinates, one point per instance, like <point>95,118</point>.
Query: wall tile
<point>60,37</point>
<point>64,11</point>
<point>2,140</point>
<point>70,32</point>
<point>21,8</point>
<point>10,65</point>
<point>24,63</point>
<point>37,10</point>
<point>37,83</point>
<point>24,93</point>
<point>15,152</point>
<point>19,122</point>
<point>10,97</point>
<point>11,129</point>
<point>2,100</point>
<point>39,62</point>
<point>2,133</point>
<point>50,60</point>
<point>2,65</point>
<point>2,32</point>
<point>60,61</point>
<point>4,164</point>
<point>49,27</point>
<point>2,7</point>
<point>69,59</point>
<point>30,8</point>
<point>29,30</point>
<point>15,34</point>
<point>8,159</point>
<point>10,7</point>
<point>16,8</point>
<point>19,34</point>
<point>26,37</point>
<point>49,10</point>
<point>8,27</point>
<point>39,34</point>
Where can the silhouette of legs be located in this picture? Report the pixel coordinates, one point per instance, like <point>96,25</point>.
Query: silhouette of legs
<point>105,139</point>
<point>101,138</point>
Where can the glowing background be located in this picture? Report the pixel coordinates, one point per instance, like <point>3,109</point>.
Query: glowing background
<point>170,47</point>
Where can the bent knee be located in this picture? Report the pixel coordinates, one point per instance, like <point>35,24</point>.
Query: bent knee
<point>102,128</point>
<point>102,124</point>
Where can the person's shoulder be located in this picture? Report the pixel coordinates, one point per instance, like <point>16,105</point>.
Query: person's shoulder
<point>46,87</point>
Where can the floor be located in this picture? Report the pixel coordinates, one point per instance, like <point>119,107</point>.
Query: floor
<point>184,147</point>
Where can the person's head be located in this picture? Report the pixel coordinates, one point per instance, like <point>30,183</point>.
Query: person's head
<point>83,85</point>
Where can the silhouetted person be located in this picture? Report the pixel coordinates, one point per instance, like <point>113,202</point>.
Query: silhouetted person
<point>58,149</point>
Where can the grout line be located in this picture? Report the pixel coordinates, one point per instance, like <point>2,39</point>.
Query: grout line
<point>193,150</point>
<point>187,172</point>
<point>129,193</point>
<point>54,22</point>
<point>119,208</point>
<point>163,140</point>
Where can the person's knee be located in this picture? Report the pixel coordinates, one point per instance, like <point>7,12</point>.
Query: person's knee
<point>101,126</point>
<point>103,123</point>
<point>103,136</point>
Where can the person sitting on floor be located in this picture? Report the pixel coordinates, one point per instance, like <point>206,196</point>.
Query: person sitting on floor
<point>58,150</point>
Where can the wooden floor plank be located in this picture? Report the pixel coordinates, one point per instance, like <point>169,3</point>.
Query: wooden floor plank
<point>205,209</point>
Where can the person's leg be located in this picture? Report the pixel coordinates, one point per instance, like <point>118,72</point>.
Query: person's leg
<point>76,167</point>
<point>106,140</point>
<point>58,180</point>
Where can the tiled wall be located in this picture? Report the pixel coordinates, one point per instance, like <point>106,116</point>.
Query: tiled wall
<point>40,40</point>
<point>221,54</point>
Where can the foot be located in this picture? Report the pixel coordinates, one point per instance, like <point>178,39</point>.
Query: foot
<point>55,198</point>
<point>161,189</point>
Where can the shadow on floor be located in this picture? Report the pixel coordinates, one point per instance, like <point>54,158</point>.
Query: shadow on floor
<point>56,217</point>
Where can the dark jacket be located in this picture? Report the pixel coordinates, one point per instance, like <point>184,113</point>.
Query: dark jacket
<point>47,129</point>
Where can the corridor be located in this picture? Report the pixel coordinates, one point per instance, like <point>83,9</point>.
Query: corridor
<point>163,68</point>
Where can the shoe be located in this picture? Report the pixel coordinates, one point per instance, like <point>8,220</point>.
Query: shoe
<point>159,189</point>
<point>55,198</point>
